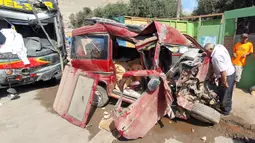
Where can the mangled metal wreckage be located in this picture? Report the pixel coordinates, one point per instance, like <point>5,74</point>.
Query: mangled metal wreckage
<point>95,74</point>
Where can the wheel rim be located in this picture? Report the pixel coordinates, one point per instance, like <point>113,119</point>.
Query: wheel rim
<point>97,97</point>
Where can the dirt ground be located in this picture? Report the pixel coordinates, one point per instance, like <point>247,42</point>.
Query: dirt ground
<point>231,126</point>
<point>232,129</point>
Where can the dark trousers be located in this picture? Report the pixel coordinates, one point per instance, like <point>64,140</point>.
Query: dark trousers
<point>225,94</point>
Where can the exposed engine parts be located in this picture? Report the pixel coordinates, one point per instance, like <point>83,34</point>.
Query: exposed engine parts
<point>191,86</point>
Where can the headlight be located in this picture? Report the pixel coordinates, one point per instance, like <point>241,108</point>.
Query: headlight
<point>9,72</point>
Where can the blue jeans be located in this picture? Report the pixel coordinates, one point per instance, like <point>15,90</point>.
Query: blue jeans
<point>225,94</point>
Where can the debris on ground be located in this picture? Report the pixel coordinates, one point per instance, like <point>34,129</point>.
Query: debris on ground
<point>170,122</point>
<point>252,90</point>
<point>192,130</point>
<point>235,127</point>
<point>13,96</point>
<point>107,116</point>
<point>10,98</point>
<point>107,124</point>
<point>106,113</point>
<point>88,126</point>
<point>103,108</point>
<point>246,139</point>
<point>203,138</point>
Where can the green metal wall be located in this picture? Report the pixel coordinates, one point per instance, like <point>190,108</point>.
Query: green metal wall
<point>247,79</point>
<point>183,26</point>
<point>191,28</point>
<point>213,27</point>
<point>186,27</point>
<point>230,28</point>
<point>207,31</point>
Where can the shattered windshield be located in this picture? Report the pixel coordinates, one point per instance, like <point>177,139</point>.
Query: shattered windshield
<point>90,47</point>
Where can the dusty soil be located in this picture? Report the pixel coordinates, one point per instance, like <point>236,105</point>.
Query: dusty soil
<point>231,126</point>
<point>183,131</point>
<point>47,97</point>
<point>236,128</point>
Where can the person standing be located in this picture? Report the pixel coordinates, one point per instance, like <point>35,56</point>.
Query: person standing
<point>225,71</point>
<point>69,39</point>
<point>241,50</point>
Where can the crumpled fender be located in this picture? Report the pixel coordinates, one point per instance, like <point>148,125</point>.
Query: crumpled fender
<point>137,120</point>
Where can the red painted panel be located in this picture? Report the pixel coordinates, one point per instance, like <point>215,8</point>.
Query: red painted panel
<point>166,34</point>
<point>91,65</point>
<point>203,69</point>
<point>103,27</point>
<point>137,120</point>
<point>34,62</point>
<point>65,93</point>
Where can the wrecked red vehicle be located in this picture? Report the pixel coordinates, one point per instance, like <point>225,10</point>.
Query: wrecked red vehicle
<point>143,75</point>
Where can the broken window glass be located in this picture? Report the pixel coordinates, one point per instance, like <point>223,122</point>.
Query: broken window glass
<point>90,47</point>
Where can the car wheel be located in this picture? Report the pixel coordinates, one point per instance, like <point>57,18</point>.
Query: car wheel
<point>100,98</point>
<point>205,113</point>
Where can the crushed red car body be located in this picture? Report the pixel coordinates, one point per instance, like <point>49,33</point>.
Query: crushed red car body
<point>136,120</point>
<point>97,69</point>
<point>152,105</point>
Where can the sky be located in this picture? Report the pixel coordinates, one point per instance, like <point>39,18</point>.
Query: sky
<point>189,5</point>
<point>72,6</point>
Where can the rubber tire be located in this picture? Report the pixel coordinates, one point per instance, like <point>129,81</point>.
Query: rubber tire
<point>205,113</point>
<point>104,99</point>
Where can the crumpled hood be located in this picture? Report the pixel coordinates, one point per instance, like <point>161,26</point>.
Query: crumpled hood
<point>166,35</point>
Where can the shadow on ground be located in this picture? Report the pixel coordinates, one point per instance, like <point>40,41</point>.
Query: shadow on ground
<point>46,95</point>
<point>246,91</point>
<point>31,87</point>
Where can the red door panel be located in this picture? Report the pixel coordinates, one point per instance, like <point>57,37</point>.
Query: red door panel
<point>75,96</point>
<point>137,120</point>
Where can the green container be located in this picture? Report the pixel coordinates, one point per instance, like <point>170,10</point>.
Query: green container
<point>190,29</point>
<point>248,78</point>
<point>230,25</point>
<point>184,27</point>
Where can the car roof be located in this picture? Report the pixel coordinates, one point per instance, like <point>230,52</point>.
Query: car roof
<point>165,33</point>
